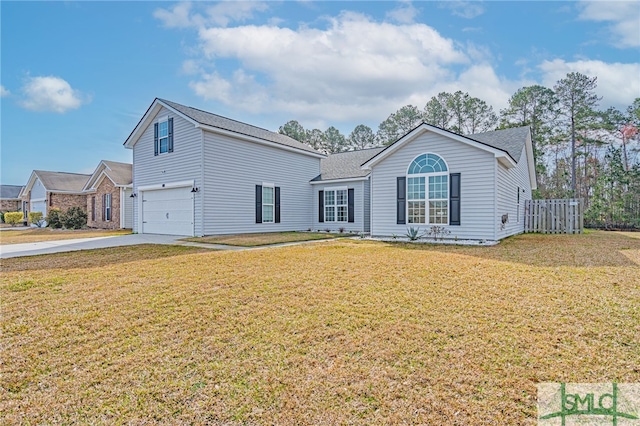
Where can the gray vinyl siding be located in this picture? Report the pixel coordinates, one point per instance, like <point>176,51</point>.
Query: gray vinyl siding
<point>184,163</point>
<point>128,210</point>
<point>477,169</point>
<point>358,224</point>
<point>367,205</point>
<point>38,191</point>
<point>234,167</point>
<point>507,183</point>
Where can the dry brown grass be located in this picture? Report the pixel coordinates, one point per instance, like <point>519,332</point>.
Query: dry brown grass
<point>34,235</point>
<point>342,332</point>
<point>263,239</point>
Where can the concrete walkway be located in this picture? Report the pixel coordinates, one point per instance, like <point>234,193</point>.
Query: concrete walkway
<point>60,246</point>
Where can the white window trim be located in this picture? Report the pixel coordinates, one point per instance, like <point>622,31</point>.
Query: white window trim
<point>160,120</point>
<point>108,199</point>
<point>273,204</point>
<point>426,191</point>
<point>335,206</point>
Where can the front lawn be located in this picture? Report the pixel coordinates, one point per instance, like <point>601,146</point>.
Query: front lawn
<point>340,332</point>
<point>263,239</point>
<point>34,235</point>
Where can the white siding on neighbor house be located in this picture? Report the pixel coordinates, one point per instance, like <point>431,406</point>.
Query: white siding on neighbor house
<point>477,169</point>
<point>127,208</point>
<point>38,192</point>
<point>358,204</point>
<point>233,168</point>
<point>184,163</point>
<point>507,182</point>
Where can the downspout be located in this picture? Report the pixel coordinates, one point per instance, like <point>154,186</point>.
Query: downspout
<point>495,200</point>
<point>202,185</point>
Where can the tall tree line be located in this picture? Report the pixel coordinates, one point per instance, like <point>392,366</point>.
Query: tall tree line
<point>580,150</point>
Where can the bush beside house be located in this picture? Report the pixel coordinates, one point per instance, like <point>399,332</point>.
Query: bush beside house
<point>13,218</point>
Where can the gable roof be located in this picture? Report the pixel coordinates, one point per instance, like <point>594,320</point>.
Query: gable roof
<point>57,181</point>
<point>121,174</point>
<point>10,192</point>
<point>510,140</point>
<point>216,123</point>
<point>495,142</point>
<point>345,165</point>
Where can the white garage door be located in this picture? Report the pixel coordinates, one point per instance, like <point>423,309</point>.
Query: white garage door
<point>39,206</point>
<point>168,211</point>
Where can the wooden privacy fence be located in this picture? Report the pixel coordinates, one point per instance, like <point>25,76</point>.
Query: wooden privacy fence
<point>554,216</point>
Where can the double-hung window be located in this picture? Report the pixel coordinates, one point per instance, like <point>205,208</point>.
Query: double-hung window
<point>428,191</point>
<point>106,200</point>
<point>163,136</point>
<point>267,204</point>
<point>336,207</point>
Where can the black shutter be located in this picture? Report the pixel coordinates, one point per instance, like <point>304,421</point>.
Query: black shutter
<point>277,201</point>
<point>350,207</point>
<point>401,208</point>
<point>454,199</point>
<point>170,141</point>
<point>155,139</point>
<point>320,206</point>
<point>258,203</point>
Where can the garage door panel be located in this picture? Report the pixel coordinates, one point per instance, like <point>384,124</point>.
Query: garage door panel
<point>168,211</point>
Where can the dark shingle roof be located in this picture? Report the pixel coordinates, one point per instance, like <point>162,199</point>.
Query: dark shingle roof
<point>511,141</point>
<point>345,165</point>
<point>10,192</point>
<point>224,123</point>
<point>62,181</point>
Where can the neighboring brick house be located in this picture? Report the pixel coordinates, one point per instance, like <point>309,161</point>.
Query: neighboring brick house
<point>109,203</point>
<point>10,198</point>
<point>47,190</point>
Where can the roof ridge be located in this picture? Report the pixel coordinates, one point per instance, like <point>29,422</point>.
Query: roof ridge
<point>226,118</point>
<point>66,173</point>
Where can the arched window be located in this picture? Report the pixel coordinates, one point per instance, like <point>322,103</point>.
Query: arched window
<point>428,190</point>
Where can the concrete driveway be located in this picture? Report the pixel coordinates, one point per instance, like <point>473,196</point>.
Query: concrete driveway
<point>60,246</point>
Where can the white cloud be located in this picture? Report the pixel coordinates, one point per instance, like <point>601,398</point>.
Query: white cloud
<point>355,67</point>
<point>4,92</point>
<point>623,16</point>
<point>50,94</point>
<point>618,83</point>
<point>405,13</point>
<point>222,14</point>
<point>464,9</point>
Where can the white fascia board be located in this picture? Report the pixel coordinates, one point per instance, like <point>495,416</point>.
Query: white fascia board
<point>148,118</point>
<point>258,140</point>
<point>318,182</point>
<point>30,183</point>
<point>169,185</point>
<point>530,162</point>
<point>508,162</point>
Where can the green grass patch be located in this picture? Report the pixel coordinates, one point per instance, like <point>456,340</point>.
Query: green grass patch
<point>265,238</point>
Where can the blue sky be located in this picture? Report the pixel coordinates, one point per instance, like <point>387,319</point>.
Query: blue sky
<point>77,76</point>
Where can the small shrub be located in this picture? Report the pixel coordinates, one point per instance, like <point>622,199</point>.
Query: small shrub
<point>327,230</point>
<point>438,231</point>
<point>74,218</point>
<point>341,230</point>
<point>414,234</point>
<point>55,219</point>
<point>13,218</point>
<point>1,217</point>
<point>35,217</point>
